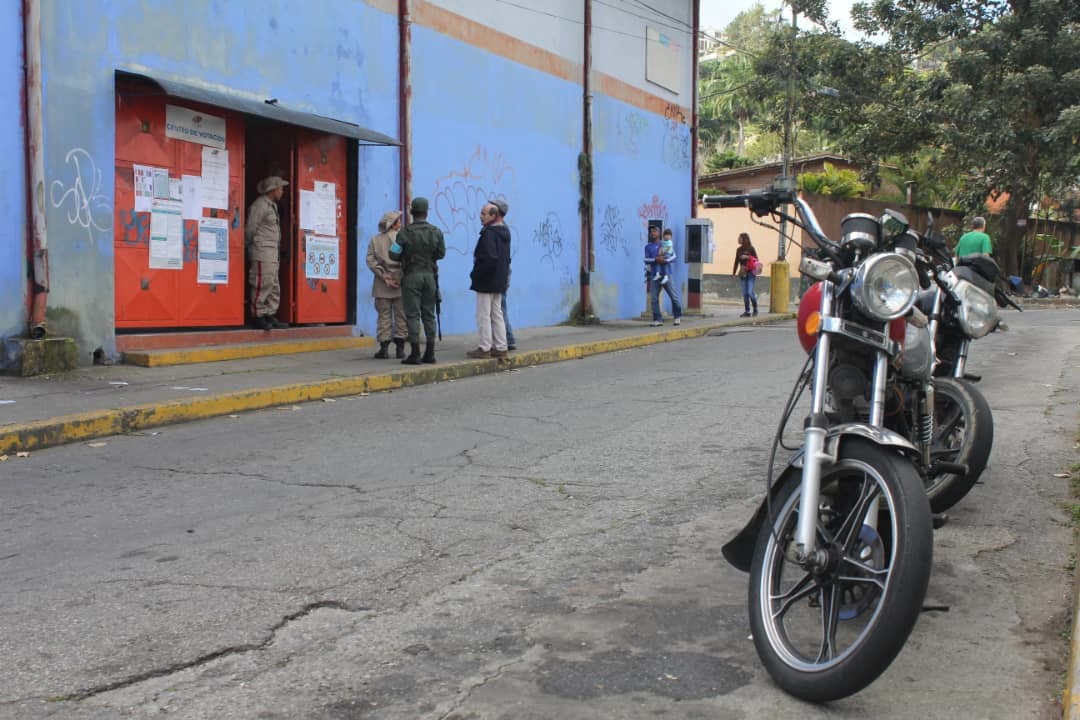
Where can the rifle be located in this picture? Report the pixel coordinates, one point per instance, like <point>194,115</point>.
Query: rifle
<point>438,303</point>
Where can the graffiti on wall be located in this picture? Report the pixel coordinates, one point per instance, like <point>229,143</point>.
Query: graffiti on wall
<point>80,195</point>
<point>548,236</point>
<point>676,147</point>
<point>654,209</point>
<point>631,129</point>
<point>612,238</point>
<point>459,195</point>
<point>674,113</point>
<point>136,227</point>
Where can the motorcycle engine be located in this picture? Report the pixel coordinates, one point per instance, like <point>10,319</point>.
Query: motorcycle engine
<point>917,360</point>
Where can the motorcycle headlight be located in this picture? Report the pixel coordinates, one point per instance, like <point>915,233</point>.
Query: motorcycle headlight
<point>977,311</point>
<point>885,286</point>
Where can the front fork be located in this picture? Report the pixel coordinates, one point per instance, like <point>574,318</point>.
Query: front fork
<point>805,550</point>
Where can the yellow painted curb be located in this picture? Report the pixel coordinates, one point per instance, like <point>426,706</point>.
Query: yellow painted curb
<point>1070,701</point>
<point>217,353</point>
<point>115,421</point>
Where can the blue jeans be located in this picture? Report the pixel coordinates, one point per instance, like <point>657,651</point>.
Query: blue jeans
<point>506,319</point>
<point>654,293</point>
<point>748,296</point>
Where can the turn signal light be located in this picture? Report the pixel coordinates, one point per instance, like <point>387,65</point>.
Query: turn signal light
<point>808,322</point>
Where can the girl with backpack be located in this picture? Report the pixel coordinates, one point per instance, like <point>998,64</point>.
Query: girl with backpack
<point>747,267</point>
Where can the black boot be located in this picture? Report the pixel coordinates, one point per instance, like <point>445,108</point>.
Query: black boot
<point>755,306</point>
<point>382,354</point>
<point>414,354</point>
<point>399,343</point>
<point>429,353</point>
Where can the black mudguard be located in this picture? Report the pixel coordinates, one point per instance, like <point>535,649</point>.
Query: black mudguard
<point>739,551</point>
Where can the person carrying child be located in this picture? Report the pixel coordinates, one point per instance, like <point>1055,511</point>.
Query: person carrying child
<point>667,252</point>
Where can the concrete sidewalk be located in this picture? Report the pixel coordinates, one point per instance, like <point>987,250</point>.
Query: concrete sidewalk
<point>98,401</point>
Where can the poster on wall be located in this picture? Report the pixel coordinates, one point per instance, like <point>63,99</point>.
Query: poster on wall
<point>195,126</point>
<point>213,251</point>
<point>321,257</point>
<point>147,178</point>
<point>662,59</point>
<point>166,235</point>
<point>307,210</point>
<point>215,178</point>
<point>324,209</point>
<point>144,187</point>
<point>191,192</point>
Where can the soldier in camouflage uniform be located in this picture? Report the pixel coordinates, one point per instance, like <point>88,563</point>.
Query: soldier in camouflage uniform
<point>419,246</point>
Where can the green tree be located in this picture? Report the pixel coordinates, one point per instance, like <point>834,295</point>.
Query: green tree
<point>1003,111</point>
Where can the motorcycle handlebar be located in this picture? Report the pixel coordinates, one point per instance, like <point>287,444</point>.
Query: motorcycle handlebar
<point>760,202</point>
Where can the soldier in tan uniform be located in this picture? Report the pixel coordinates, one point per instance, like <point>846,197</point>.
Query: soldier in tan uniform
<point>263,236</point>
<point>386,286</point>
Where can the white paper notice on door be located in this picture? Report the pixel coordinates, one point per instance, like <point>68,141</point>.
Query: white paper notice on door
<point>215,178</point>
<point>325,209</point>
<point>166,235</point>
<point>144,186</point>
<point>192,195</point>
<point>214,251</point>
<point>307,210</point>
<point>321,257</point>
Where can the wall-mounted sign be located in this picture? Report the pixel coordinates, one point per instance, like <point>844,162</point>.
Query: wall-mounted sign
<point>185,124</point>
<point>663,60</point>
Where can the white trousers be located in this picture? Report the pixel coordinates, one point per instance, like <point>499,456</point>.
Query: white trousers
<point>490,322</point>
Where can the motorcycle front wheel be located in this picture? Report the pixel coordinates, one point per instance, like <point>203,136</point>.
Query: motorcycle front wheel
<point>826,633</point>
<point>963,433</point>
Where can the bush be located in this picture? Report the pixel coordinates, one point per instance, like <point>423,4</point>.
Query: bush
<point>837,183</point>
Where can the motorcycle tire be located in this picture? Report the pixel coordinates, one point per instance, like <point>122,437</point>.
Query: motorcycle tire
<point>849,620</point>
<point>963,433</point>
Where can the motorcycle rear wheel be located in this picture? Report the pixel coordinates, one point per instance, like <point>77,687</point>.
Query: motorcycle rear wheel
<point>827,634</point>
<point>963,433</point>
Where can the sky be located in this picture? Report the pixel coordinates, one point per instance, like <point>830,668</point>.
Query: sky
<point>718,13</point>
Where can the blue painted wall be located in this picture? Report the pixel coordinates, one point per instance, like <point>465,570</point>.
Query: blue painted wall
<point>13,201</point>
<point>340,62</point>
<point>641,169</point>
<point>483,126</point>
<point>488,127</point>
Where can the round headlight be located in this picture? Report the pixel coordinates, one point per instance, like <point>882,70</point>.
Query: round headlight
<point>885,286</point>
<point>977,309</point>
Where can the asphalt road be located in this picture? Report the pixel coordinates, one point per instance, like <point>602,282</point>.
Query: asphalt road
<point>543,543</point>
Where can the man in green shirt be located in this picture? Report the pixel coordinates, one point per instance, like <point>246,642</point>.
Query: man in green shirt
<point>975,243</point>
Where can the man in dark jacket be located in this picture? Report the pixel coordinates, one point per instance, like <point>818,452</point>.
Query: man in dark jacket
<point>419,247</point>
<point>490,277</point>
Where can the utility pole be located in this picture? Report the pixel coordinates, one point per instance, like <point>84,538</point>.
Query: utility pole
<point>779,283</point>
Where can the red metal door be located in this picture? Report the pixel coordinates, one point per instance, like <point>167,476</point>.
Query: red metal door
<point>147,297</point>
<point>320,253</point>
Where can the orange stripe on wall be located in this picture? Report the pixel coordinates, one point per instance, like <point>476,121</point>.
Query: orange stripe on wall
<point>499,43</point>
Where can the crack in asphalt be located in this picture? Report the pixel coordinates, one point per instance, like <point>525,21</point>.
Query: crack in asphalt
<point>204,659</point>
<point>466,694</point>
